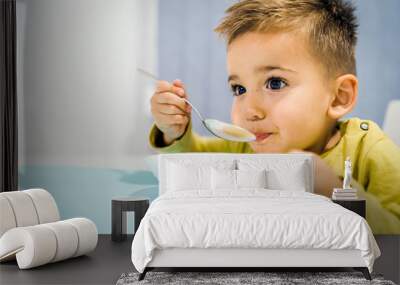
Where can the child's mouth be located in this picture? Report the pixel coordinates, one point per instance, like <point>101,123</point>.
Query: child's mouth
<point>262,136</point>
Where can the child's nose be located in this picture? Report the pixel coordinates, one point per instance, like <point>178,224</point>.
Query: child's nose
<point>255,115</point>
<point>254,108</point>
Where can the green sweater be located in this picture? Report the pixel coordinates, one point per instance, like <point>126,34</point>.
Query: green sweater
<point>375,159</point>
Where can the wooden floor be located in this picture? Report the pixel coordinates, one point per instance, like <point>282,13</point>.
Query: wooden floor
<point>111,259</point>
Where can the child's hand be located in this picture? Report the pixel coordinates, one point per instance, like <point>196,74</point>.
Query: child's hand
<point>325,179</point>
<point>171,113</point>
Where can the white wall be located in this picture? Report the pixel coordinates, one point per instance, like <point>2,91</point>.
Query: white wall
<point>81,101</point>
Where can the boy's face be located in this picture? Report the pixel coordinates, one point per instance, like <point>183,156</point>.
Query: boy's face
<point>281,92</point>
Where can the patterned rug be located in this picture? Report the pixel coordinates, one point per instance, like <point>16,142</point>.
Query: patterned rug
<point>243,278</point>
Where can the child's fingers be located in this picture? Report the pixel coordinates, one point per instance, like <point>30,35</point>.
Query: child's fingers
<point>171,99</point>
<point>178,83</point>
<point>168,109</point>
<point>165,86</point>
<point>173,119</point>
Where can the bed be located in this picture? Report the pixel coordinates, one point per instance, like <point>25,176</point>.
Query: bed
<point>247,211</point>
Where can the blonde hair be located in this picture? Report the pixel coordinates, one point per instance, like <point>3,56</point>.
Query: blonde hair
<point>329,24</point>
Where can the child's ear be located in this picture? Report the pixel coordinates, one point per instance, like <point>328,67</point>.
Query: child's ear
<point>345,96</point>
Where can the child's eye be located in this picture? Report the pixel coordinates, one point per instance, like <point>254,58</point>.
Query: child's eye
<point>275,83</point>
<point>238,90</point>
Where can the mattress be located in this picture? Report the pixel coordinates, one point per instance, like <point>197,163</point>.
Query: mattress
<point>250,219</point>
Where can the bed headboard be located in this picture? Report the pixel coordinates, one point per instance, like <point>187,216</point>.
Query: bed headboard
<point>275,161</point>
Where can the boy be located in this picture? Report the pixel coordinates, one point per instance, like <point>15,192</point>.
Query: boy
<point>292,72</point>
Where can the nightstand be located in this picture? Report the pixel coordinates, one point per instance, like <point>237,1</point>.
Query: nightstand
<point>355,205</point>
<point>119,207</point>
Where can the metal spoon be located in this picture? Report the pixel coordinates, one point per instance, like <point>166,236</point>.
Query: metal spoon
<point>217,128</point>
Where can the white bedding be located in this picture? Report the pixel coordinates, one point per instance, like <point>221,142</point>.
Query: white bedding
<point>250,219</point>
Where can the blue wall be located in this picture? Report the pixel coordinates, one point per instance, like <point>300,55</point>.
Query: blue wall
<point>190,50</point>
<point>378,57</point>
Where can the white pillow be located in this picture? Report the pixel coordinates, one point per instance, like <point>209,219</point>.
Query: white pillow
<point>181,177</point>
<point>228,179</point>
<point>251,178</point>
<point>292,179</point>
<point>223,179</point>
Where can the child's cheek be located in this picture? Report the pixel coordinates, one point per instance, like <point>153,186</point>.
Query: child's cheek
<point>291,123</point>
<point>285,114</point>
<point>236,115</point>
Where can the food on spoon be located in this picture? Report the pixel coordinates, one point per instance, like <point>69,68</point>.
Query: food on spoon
<point>235,131</point>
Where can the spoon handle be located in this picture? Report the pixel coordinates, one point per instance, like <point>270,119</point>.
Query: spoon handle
<point>194,108</point>
<point>148,74</point>
<point>152,76</point>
